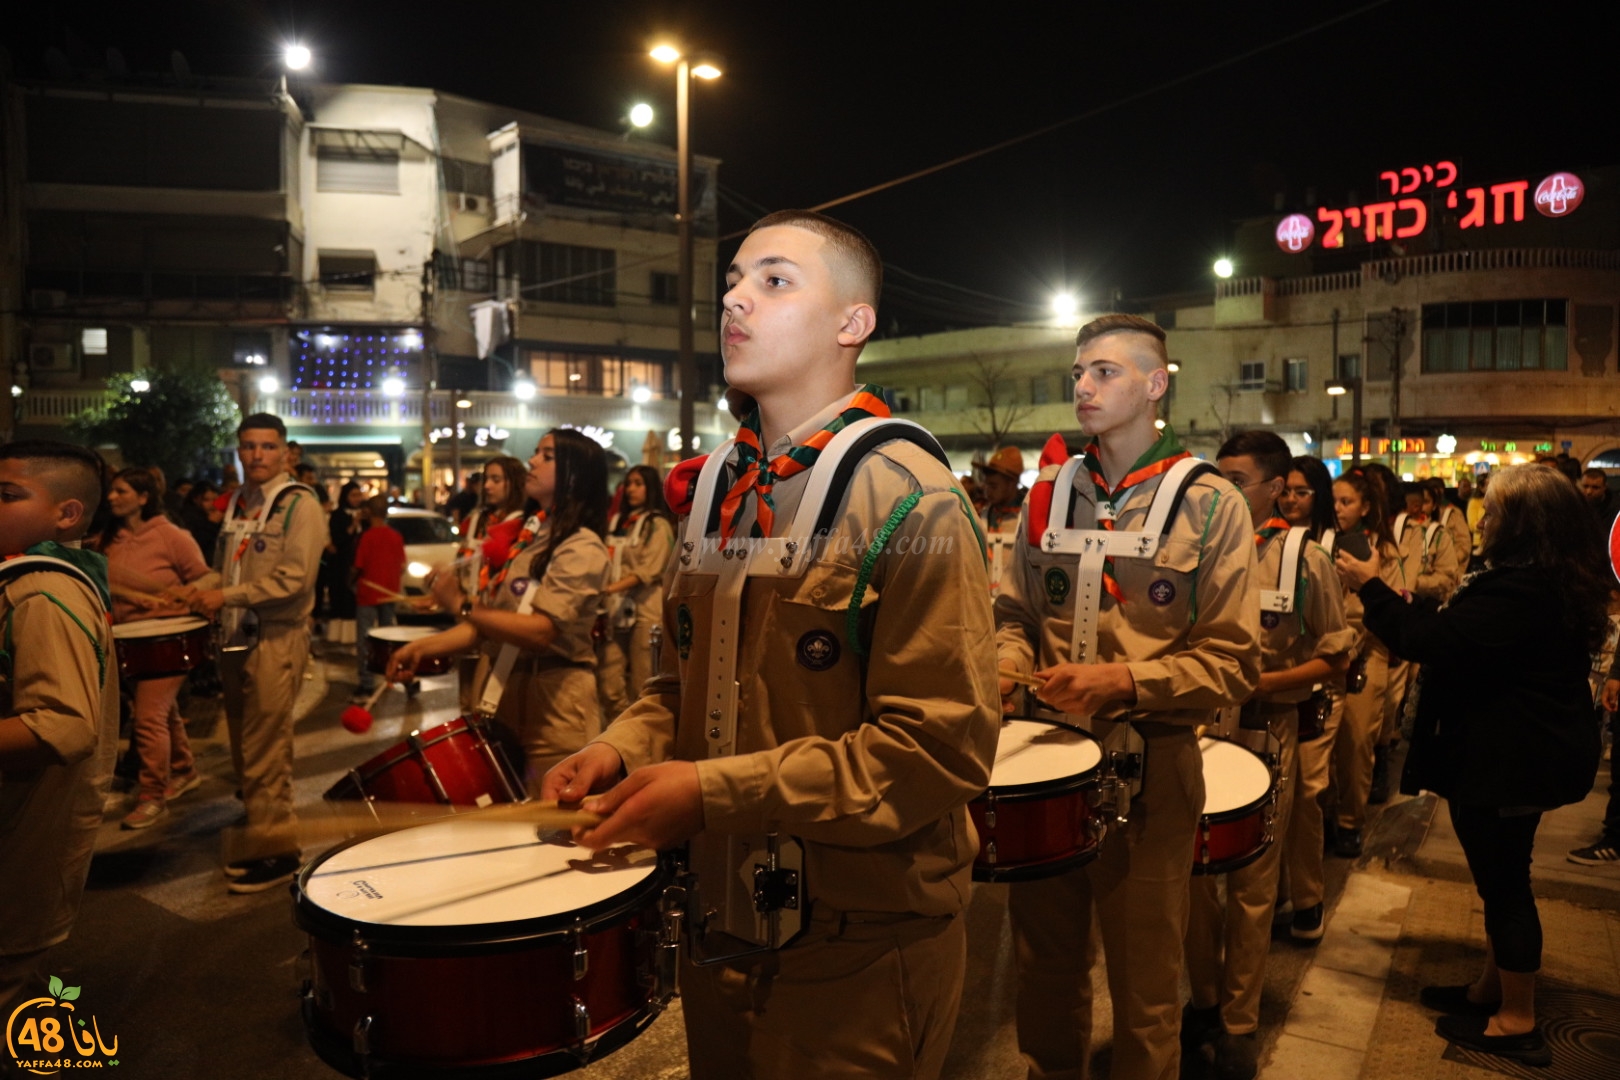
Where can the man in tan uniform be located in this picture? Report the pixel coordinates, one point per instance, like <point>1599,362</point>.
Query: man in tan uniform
<point>865,713</point>
<point>268,554</point>
<point>58,701</point>
<point>1226,951</point>
<point>1176,639</point>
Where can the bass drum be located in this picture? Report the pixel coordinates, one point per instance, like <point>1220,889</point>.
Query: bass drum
<point>1036,819</point>
<point>477,949</point>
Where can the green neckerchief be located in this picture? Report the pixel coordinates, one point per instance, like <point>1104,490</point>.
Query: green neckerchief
<point>93,563</point>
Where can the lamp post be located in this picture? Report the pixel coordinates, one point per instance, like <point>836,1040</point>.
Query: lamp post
<point>1352,387</point>
<point>685,68</point>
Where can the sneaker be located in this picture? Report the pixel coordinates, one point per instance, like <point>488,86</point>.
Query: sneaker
<point>262,874</point>
<point>145,814</point>
<point>179,785</point>
<point>1347,845</point>
<point>1237,1057</point>
<point>1307,924</point>
<point>1601,853</point>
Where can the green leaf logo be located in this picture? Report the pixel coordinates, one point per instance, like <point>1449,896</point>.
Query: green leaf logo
<point>81,1023</point>
<point>70,993</point>
<point>56,987</point>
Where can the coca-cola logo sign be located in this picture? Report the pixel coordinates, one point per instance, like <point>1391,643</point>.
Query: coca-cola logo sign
<point>1295,232</point>
<point>1559,194</point>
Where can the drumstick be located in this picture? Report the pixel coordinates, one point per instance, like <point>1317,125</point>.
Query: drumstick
<point>357,718</point>
<point>1021,680</point>
<point>377,818</point>
<point>389,593</point>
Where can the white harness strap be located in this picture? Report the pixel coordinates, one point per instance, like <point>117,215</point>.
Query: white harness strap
<point>21,563</point>
<point>1282,597</point>
<point>501,670</point>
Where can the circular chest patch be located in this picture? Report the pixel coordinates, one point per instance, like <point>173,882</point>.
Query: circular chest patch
<point>1270,619</point>
<point>1057,585</point>
<point>1161,592</point>
<point>258,545</point>
<point>818,650</point>
<point>683,631</point>
<point>520,586</point>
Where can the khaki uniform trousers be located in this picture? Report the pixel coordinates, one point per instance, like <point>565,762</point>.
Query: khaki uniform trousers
<point>1357,737</point>
<point>623,666</point>
<point>1226,950</point>
<point>548,712</point>
<point>1139,884</point>
<point>860,995</point>
<point>1302,843</point>
<point>261,686</point>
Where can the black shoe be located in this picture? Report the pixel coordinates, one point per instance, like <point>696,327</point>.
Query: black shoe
<point>1379,794</point>
<point>1454,1001</point>
<point>1347,845</point>
<point>1330,837</point>
<point>262,874</point>
<point>1603,853</point>
<point>1200,1027</point>
<point>1237,1057</point>
<point>1307,925</point>
<point>1469,1031</point>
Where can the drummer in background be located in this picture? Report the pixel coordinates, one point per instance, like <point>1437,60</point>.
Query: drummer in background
<point>378,570</point>
<point>1307,501</point>
<point>486,536</point>
<point>549,705</point>
<point>1177,639</point>
<point>999,483</point>
<point>147,554</point>
<point>643,535</point>
<point>1226,951</point>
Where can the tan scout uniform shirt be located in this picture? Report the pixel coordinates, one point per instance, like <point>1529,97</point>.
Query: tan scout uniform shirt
<point>871,762</point>
<point>1189,628</point>
<point>279,563</point>
<point>1455,522</point>
<point>1431,567</point>
<point>568,594</point>
<point>1316,628</point>
<point>68,697</point>
<point>644,555</point>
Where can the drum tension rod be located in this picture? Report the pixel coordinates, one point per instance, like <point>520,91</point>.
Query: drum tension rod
<point>582,956</point>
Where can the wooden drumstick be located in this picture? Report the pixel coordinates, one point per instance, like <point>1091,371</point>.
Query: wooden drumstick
<point>389,593</point>
<point>1021,680</point>
<point>377,818</point>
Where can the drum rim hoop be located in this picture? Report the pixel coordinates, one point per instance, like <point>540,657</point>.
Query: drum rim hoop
<point>194,624</point>
<point>380,762</point>
<point>1057,785</point>
<point>1238,813</point>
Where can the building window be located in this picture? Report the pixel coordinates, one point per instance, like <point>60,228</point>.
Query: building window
<point>1496,335</point>
<point>1348,366</point>
<point>557,273</point>
<point>250,348</point>
<point>93,341</point>
<point>468,177</point>
<point>1299,375</point>
<point>1252,375</point>
<point>664,288</point>
<point>464,274</point>
<point>357,170</point>
<point>348,271</point>
<point>1040,390</point>
<point>933,398</point>
<point>597,374</point>
<point>956,398</point>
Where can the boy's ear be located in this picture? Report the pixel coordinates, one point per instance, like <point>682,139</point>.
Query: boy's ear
<point>70,516</point>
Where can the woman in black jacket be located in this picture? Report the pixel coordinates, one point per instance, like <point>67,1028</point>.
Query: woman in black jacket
<point>1504,746</point>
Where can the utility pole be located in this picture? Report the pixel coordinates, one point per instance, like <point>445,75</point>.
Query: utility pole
<point>1397,329</point>
<point>430,372</point>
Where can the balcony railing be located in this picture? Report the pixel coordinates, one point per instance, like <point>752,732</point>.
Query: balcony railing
<point>319,408</point>
<point>1444,262</point>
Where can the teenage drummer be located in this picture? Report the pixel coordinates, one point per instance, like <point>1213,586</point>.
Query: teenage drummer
<point>1174,637</point>
<point>845,706</point>
<point>534,618</point>
<point>147,556</point>
<point>1307,644</point>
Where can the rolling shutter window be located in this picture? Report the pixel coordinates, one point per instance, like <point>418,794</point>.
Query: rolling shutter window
<point>364,172</point>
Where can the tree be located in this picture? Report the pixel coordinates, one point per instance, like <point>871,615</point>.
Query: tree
<point>180,421</point>
<point>1005,414</point>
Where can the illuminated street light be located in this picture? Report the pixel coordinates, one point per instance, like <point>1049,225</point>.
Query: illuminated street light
<point>16,391</point>
<point>393,386</point>
<point>641,395</point>
<point>269,384</point>
<point>665,54</point>
<point>1172,367</point>
<point>463,403</point>
<point>296,57</point>
<point>1223,268</point>
<point>1065,306</point>
<point>706,69</point>
<point>523,390</point>
<point>1337,387</point>
<point>723,404</point>
<point>140,386</point>
<point>641,114</point>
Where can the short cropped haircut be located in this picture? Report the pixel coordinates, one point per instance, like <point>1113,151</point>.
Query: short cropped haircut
<point>1103,325</point>
<point>849,242</point>
<point>262,421</point>
<point>378,506</point>
<point>77,472</point>
<point>1265,447</point>
<point>1597,474</point>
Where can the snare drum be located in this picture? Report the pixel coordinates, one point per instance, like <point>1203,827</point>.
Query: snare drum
<point>384,641</point>
<point>161,648</point>
<point>457,764</point>
<point>1239,799</point>
<point>1036,819</point>
<point>473,948</point>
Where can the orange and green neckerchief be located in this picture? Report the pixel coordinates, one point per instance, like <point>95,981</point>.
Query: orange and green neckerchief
<point>1273,526</point>
<point>757,478</point>
<point>1155,461</point>
<point>487,585</point>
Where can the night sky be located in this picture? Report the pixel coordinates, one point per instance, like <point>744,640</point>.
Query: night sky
<point>822,99</point>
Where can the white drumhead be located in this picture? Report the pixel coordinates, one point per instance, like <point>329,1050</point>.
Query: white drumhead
<point>1233,776</point>
<point>460,873</point>
<point>1030,752</point>
<point>145,628</point>
<point>402,634</point>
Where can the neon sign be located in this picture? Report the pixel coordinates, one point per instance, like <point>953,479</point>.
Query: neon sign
<point>1385,446</point>
<point>1399,218</point>
<point>482,437</point>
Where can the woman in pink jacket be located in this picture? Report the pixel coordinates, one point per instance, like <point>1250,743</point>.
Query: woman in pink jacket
<point>147,554</point>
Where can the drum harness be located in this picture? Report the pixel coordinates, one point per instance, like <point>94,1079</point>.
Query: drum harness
<point>23,564</point>
<point>238,627</point>
<point>775,887</point>
<point>1124,748</point>
<point>1431,529</point>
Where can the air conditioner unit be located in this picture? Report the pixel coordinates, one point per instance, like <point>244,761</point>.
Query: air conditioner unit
<point>472,204</point>
<point>52,356</point>
<point>47,299</point>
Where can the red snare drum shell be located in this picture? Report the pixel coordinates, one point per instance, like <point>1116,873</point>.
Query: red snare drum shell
<point>383,642</point>
<point>469,766</point>
<point>1231,837</point>
<point>161,648</point>
<point>1038,829</point>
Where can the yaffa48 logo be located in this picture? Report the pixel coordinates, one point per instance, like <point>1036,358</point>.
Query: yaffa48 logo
<point>46,1034</point>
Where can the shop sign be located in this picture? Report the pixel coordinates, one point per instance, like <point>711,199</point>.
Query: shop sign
<point>1383,446</point>
<point>1559,194</point>
<point>483,436</point>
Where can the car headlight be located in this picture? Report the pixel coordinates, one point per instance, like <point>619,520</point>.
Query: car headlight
<point>417,569</point>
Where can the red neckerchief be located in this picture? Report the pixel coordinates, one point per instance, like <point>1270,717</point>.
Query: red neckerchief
<point>752,479</point>
<point>524,539</point>
<point>1156,461</point>
<point>1271,528</point>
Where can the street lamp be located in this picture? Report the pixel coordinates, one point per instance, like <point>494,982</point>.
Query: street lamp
<point>685,68</point>
<point>523,389</point>
<point>1224,268</point>
<point>1336,387</point>
<point>641,114</point>
<point>296,57</point>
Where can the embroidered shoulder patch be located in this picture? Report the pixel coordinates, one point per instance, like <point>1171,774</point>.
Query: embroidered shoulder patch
<point>818,650</point>
<point>1057,585</point>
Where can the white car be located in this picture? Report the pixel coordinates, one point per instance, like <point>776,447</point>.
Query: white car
<point>430,540</point>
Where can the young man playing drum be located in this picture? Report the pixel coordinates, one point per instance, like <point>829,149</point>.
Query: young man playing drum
<point>826,699</point>
<point>58,701</point>
<point>268,554</point>
<point>1154,638</point>
<point>1304,640</point>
